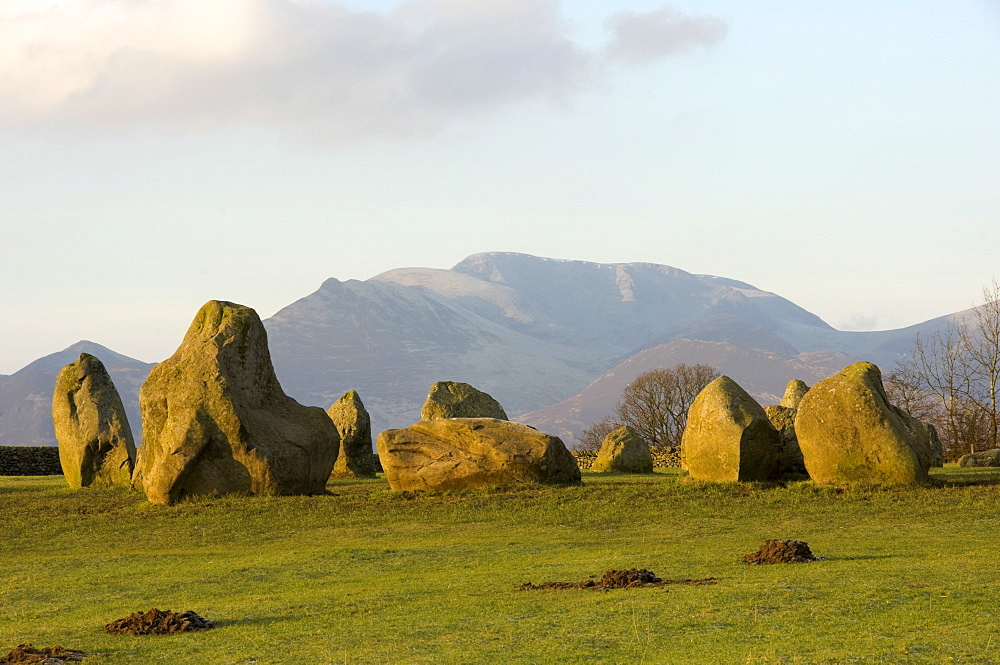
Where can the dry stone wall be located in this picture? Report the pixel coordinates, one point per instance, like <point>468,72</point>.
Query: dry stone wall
<point>29,461</point>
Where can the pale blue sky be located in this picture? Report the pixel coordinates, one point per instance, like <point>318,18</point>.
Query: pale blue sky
<point>843,155</point>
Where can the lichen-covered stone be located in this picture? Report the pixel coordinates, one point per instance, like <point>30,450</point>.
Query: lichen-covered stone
<point>728,436</point>
<point>453,399</point>
<point>848,432</point>
<point>349,416</point>
<point>624,451</point>
<point>790,456</point>
<point>466,453</point>
<point>95,442</point>
<point>794,392</point>
<point>982,458</point>
<point>216,421</point>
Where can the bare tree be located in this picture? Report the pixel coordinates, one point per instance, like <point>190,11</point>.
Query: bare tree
<point>592,437</point>
<point>981,344</point>
<point>656,404</point>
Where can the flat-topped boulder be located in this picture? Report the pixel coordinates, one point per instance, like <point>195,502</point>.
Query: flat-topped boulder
<point>453,399</point>
<point>354,425</point>
<point>216,421</point>
<point>728,436</point>
<point>794,392</point>
<point>624,451</point>
<point>95,441</point>
<point>982,458</point>
<point>848,432</point>
<point>466,453</point>
<point>790,455</point>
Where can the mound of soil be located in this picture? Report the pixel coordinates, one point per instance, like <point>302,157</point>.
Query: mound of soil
<point>781,551</point>
<point>25,653</point>
<point>616,579</point>
<point>158,622</point>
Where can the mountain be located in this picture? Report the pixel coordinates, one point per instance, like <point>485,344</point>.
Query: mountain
<point>26,395</point>
<point>764,374</point>
<point>530,331</point>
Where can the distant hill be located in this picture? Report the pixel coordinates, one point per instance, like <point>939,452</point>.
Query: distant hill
<point>764,374</point>
<point>530,331</point>
<point>26,395</point>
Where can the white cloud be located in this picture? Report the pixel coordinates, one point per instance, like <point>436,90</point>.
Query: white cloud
<point>311,64</point>
<point>645,36</point>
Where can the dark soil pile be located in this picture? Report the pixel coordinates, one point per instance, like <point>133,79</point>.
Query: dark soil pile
<point>781,551</point>
<point>26,653</point>
<point>616,579</point>
<point>158,622</point>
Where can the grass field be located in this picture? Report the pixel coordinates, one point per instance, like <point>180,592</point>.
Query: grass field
<point>367,575</point>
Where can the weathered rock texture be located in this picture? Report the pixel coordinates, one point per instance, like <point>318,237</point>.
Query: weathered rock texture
<point>937,447</point>
<point>623,450</point>
<point>356,459</point>
<point>95,442</point>
<point>466,453</point>
<point>215,419</point>
<point>982,458</point>
<point>728,436</point>
<point>790,455</point>
<point>794,392</point>
<point>848,432</point>
<point>452,399</point>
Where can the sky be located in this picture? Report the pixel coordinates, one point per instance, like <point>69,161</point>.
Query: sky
<point>155,154</point>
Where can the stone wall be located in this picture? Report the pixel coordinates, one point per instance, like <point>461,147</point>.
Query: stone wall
<point>663,457</point>
<point>29,461</point>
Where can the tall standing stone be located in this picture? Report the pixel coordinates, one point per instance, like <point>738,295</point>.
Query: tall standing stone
<point>349,416</point>
<point>728,436</point>
<point>623,450</point>
<point>215,419</point>
<point>95,441</point>
<point>848,432</point>
<point>453,399</point>
<point>790,456</point>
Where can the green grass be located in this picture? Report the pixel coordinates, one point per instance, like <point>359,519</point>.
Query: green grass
<point>372,576</point>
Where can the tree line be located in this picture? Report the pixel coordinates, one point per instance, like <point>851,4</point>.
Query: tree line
<point>951,379</point>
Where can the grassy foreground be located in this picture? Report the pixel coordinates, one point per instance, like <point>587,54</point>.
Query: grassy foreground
<point>372,576</point>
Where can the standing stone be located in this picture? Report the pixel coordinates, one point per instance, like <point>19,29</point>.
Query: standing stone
<point>452,399</point>
<point>790,457</point>
<point>354,425</point>
<point>95,441</point>
<point>794,392</point>
<point>466,453</point>
<point>937,447</point>
<point>728,436</point>
<point>215,419</point>
<point>848,432</point>
<point>623,450</point>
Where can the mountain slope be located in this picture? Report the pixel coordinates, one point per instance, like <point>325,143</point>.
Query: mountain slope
<point>26,395</point>
<point>764,374</point>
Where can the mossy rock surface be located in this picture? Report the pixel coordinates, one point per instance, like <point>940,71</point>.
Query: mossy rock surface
<point>624,451</point>
<point>794,392</point>
<point>728,436</point>
<point>453,399</point>
<point>790,456</point>
<point>95,440</point>
<point>356,458</point>
<point>848,432</point>
<point>982,458</point>
<point>216,421</point>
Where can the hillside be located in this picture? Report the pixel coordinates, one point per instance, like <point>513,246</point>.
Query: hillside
<point>531,331</point>
<point>26,395</point>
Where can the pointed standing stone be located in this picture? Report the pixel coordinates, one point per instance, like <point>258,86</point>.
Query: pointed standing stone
<point>356,459</point>
<point>728,436</point>
<point>215,419</point>
<point>95,442</point>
